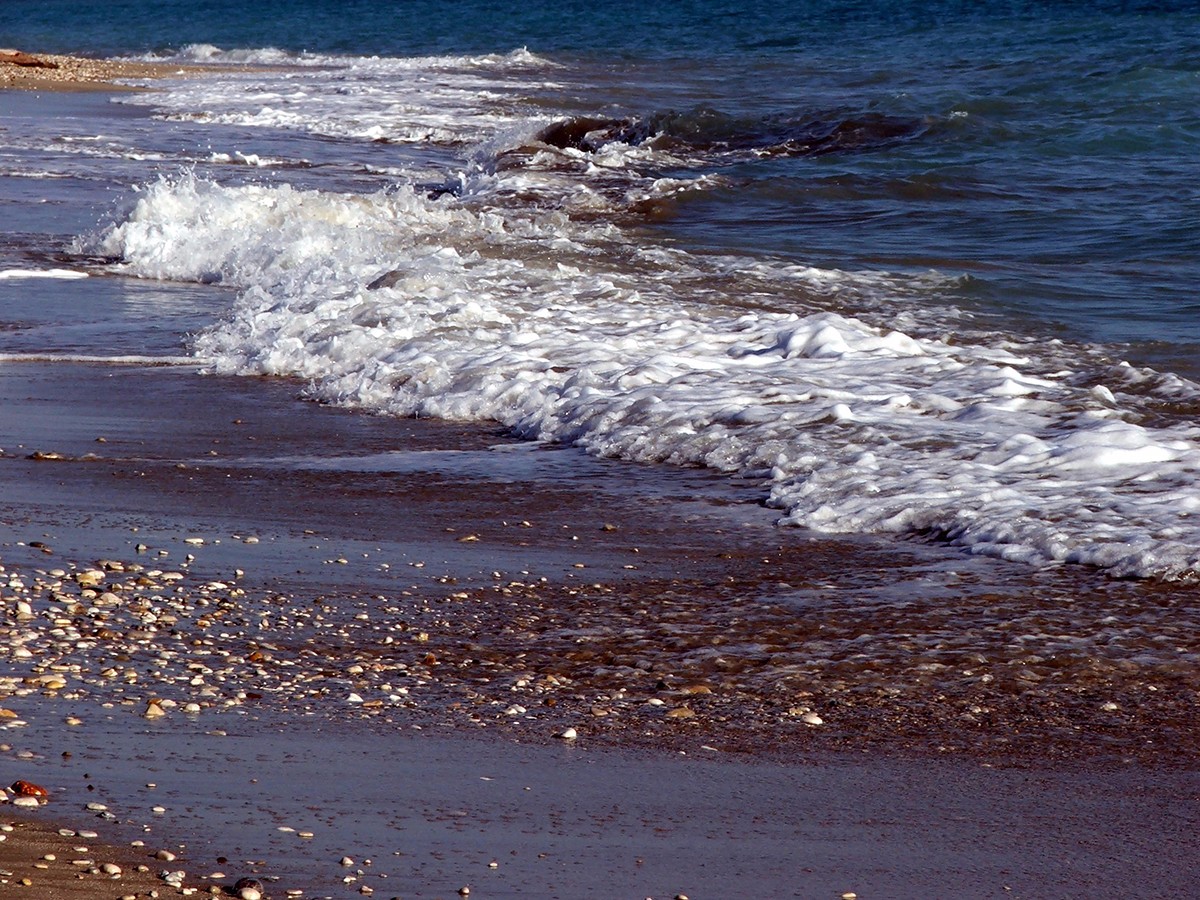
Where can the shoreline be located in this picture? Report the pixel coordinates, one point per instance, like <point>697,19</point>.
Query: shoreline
<point>246,558</point>
<point>658,609</point>
<point>54,72</point>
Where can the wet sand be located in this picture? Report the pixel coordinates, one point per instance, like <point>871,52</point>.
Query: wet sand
<point>392,621</point>
<point>52,862</point>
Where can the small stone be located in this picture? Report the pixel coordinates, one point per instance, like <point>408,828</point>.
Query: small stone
<point>811,718</point>
<point>347,861</point>
<point>165,855</point>
<point>112,870</point>
<point>90,578</point>
<point>681,712</point>
<point>464,891</point>
<point>569,735</point>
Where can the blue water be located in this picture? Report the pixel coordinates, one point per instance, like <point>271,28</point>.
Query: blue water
<point>1054,166</point>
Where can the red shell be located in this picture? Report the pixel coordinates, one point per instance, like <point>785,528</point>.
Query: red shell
<point>28,789</point>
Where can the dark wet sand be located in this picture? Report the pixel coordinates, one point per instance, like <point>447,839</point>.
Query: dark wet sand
<point>49,862</point>
<point>924,779</point>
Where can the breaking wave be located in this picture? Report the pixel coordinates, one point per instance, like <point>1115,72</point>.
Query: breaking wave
<point>851,417</point>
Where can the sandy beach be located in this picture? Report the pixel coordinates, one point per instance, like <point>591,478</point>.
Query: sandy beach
<point>53,72</point>
<point>351,655</point>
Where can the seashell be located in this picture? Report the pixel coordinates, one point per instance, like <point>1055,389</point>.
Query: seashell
<point>28,789</point>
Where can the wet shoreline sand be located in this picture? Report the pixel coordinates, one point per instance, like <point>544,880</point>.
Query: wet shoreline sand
<point>427,590</point>
<point>642,602</point>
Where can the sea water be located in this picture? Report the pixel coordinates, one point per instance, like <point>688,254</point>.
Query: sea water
<point>925,270</point>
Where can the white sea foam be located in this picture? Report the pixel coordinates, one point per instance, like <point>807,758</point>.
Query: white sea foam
<point>451,99</point>
<point>62,274</point>
<point>122,360</point>
<point>569,332</point>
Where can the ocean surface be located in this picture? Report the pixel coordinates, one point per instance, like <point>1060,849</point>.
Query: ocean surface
<point>923,270</point>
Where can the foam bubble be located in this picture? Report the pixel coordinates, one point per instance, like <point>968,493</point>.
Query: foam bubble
<point>61,274</point>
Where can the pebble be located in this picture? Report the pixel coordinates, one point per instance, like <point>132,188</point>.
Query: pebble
<point>569,734</point>
<point>175,879</point>
<point>154,710</point>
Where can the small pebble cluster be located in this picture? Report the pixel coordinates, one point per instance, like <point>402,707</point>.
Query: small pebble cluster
<point>674,663</point>
<point>25,70</point>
